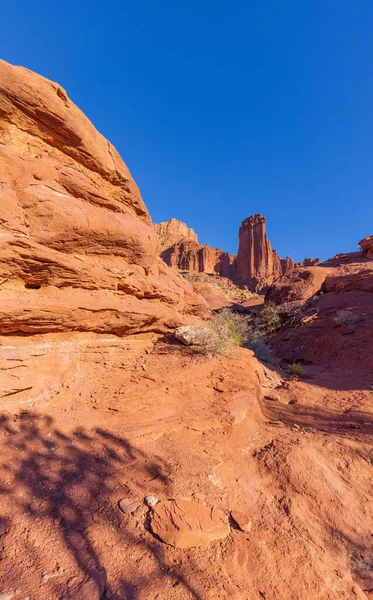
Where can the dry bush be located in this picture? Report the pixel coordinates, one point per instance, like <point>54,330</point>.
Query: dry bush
<point>267,320</point>
<point>221,334</point>
<point>346,317</point>
<point>273,317</point>
<point>297,369</point>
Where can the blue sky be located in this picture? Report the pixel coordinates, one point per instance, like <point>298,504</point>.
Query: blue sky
<point>223,109</point>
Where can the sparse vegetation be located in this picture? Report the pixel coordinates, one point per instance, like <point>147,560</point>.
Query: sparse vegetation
<point>272,317</point>
<point>231,290</point>
<point>221,333</point>
<point>346,317</point>
<point>228,329</point>
<point>297,369</point>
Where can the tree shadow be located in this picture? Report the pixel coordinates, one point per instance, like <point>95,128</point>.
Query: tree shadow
<point>67,481</point>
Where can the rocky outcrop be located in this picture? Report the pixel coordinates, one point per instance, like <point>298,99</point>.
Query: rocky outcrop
<point>180,250</point>
<point>199,258</point>
<point>174,231</point>
<point>255,266</point>
<point>78,248</point>
<point>342,273</point>
<point>298,285</point>
<point>367,246</point>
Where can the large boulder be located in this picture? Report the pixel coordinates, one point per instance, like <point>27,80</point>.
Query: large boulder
<point>297,285</point>
<point>78,248</point>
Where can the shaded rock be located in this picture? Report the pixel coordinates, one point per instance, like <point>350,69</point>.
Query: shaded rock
<point>184,524</point>
<point>297,285</point>
<point>360,280</point>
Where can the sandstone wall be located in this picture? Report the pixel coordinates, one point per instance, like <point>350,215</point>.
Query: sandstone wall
<point>78,248</point>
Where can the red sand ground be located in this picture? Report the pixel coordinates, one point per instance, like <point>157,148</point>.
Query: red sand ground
<point>103,418</point>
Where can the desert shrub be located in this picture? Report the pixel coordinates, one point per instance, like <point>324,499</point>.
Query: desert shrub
<point>268,320</point>
<point>273,317</point>
<point>221,334</point>
<point>231,326</point>
<point>297,369</point>
<point>346,317</point>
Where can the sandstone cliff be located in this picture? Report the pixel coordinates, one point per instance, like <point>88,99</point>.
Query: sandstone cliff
<point>78,249</point>
<point>174,231</point>
<point>180,250</point>
<point>255,266</point>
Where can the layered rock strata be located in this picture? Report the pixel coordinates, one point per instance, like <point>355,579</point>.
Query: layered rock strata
<point>78,248</point>
<point>255,266</point>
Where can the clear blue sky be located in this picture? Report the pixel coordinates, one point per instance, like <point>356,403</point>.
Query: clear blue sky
<point>223,109</point>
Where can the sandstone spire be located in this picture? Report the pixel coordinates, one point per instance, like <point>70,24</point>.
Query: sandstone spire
<point>257,263</point>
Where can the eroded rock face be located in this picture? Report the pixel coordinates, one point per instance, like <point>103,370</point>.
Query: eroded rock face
<point>367,246</point>
<point>184,524</point>
<point>256,266</point>
<point>173,231</point>
<point>78,249</point>
<point>181,250</point>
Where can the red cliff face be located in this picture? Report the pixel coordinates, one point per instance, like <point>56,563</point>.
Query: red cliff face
<point>181,251</point>
<point>257,264</point>
<point>174,231</point>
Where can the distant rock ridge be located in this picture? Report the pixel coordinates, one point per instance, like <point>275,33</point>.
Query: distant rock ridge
<point>174,231</point>
<point>256,266</point>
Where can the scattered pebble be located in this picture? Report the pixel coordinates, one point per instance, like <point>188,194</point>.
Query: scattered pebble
<point>151,501</point>
<point>273,397</point>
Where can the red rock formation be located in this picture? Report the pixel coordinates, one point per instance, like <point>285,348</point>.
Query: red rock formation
<point>174,231</point>
<point>367,246</point>
<point>299,284</point>
<point>286,265</point>
<point>78,249</point>
<point>257,264</point>
<point>181,251</point>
